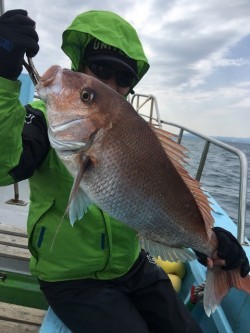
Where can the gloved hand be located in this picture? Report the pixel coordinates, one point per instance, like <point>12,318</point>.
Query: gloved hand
<point>17,37</point>
<point>230,250</point>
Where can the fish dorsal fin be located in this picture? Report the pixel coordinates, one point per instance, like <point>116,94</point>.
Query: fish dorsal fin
<point>177,155</point>
<point>174,150</point>
<point>166,252</point>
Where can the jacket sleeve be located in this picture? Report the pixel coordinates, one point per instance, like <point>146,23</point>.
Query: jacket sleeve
<point>24,142</point>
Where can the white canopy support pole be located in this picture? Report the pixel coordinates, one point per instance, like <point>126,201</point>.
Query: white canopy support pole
<point>1,7</point>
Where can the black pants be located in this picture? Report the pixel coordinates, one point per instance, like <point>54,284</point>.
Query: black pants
<point>142,301</point>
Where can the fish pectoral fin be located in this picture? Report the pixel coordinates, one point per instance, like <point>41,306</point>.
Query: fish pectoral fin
<point>78,206</point>
<point>78,199</point>
<point>167,252</point>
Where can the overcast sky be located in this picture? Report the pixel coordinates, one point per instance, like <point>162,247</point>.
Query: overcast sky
<point>199,52</point>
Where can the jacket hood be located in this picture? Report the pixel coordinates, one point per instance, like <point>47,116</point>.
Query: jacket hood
<point>109,28</point>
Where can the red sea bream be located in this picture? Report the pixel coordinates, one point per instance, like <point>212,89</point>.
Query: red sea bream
<point>131,171</point>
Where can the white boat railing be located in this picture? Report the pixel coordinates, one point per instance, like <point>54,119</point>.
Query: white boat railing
<point>147,107</point>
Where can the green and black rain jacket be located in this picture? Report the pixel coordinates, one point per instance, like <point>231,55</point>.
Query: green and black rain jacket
<point>97,246</point>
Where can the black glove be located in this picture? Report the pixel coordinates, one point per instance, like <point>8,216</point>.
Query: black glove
<point>17,37</point>
<point>230,250</point>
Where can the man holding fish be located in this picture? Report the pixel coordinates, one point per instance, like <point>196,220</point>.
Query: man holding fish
<point>94,274</point>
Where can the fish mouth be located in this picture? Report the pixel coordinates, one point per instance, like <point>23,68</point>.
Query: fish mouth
<point>61,145</point>
<point>64,126</point>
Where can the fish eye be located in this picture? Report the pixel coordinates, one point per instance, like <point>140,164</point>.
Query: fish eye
<point>87,95</point>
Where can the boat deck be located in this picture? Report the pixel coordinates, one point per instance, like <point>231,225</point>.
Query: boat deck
<point>14,206</point>
<point>14,243</point>
<point>14,253</point>
<point>16,318</point>
<point>14,258</point>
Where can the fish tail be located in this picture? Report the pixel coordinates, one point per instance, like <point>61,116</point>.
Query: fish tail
<point>218,284</point>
